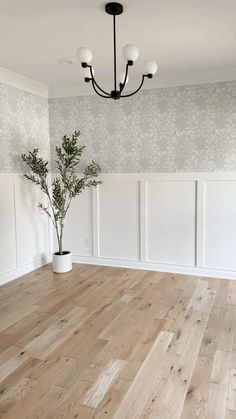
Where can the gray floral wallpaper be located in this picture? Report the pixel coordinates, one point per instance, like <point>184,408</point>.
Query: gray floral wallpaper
<point>182,129</point>
<point>24,125</point>
<point>191,128</point>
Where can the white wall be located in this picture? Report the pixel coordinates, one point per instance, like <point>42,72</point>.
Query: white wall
<point>24,233</point>
<point>169,222</point>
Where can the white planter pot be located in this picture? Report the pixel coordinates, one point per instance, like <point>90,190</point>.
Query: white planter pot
<point>62,263</point>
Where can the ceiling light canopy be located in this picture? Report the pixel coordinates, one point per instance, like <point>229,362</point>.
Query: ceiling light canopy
<point>130,53</point>
<point>64,61</point>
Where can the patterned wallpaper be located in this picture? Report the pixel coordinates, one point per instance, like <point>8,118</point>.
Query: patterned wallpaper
<point>24,125</point>
<point>191,128</point>
<point>181,129</point>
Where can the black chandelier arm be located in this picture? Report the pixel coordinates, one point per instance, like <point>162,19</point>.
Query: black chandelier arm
<point>93,80</point>
<point>122,85</point>
<point>131,94</point>
<point>107,96</point>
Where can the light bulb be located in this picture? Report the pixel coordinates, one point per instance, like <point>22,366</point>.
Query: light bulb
<point>84,55</point>
<point>121,78</point>
<point>86,72</point>
<point>150,67</point>
<point>130,53</point>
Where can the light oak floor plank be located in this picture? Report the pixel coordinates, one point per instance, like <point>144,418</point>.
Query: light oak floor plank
<point>105,380</point>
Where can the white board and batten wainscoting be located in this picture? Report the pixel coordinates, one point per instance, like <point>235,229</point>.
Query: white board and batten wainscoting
<point>174,222</point>
<point>25,235</point>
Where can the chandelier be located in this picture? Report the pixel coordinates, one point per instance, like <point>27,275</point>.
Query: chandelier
<point>130,53</point>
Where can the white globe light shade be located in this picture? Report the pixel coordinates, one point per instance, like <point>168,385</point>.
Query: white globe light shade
<point>121,78</point>
<point>150,67</point>
<point>86,72</point>
<point>84,55</point>
<point>130,52</point>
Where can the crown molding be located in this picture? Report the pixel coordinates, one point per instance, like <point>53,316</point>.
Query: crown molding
<point>161,81</point>
<point>23,83</point>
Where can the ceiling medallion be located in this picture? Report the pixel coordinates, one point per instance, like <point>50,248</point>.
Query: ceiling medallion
<point>130,53</point>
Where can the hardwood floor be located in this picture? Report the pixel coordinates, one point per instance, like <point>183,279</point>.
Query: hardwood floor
<point>116,343</point>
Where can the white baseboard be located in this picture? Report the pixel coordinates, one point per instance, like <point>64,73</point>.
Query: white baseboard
<point>117,263</point>
<point>16,273</point>
<point>159,267</point>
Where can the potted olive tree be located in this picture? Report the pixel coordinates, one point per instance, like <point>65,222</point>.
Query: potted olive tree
<point>61,190</point>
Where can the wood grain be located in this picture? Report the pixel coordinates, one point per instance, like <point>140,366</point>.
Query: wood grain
<point>102,342</point>
<point>105,380</point>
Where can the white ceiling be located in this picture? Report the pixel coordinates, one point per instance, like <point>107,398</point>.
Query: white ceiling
<point>185,37</point>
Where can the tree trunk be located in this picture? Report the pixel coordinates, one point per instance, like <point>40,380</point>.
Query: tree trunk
<point>60,246</point>
<point>60,239</point>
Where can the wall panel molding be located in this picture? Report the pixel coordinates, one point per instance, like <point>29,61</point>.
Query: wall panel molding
<point>25,234</point>
<point>109,225</point>
<point>119,219</point>
<point>173,221</point>
<point>95,210</point>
